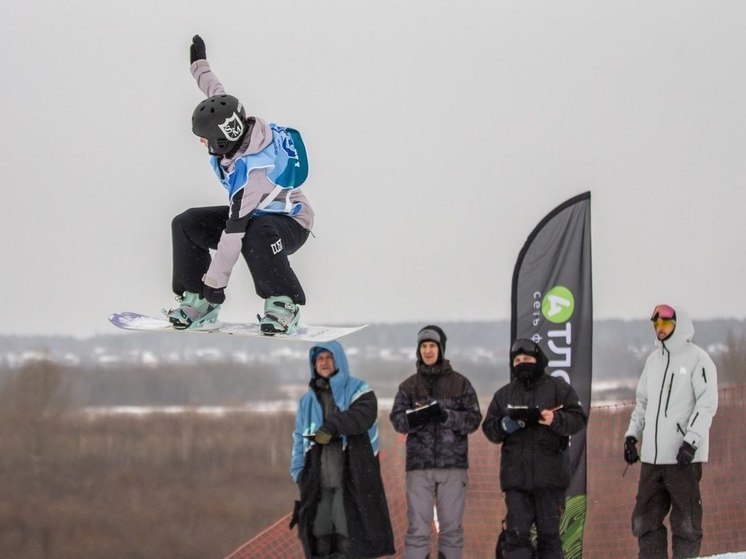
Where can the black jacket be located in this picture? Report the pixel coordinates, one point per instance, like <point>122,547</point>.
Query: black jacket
<point>366,510</point>
<point>437,445</point>
<point>535,457</point>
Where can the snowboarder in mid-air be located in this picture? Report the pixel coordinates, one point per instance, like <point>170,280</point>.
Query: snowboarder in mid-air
<point>261,165</point>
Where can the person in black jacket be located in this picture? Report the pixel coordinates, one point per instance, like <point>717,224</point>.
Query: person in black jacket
<point>533,417</point>
<point>437,408</point>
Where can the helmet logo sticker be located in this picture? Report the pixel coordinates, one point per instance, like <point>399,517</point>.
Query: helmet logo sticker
<point>232,128</point>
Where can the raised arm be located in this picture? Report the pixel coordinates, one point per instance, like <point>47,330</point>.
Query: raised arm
<point>206,80</point>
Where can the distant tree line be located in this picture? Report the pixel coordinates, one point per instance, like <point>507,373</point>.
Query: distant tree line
<point>230,383</point>
<point>163,485</point>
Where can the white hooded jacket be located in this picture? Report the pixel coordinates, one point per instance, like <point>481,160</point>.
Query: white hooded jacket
<point>677,397</point>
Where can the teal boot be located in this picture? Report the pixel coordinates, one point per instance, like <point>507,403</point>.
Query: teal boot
<point>193,312</point>
<point>281,316</point>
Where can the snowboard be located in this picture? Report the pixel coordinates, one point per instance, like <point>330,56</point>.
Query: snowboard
<point>304,333</point>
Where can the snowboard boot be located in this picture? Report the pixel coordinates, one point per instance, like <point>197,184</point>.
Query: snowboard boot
<point>281,316</point>
<point>193,311</point>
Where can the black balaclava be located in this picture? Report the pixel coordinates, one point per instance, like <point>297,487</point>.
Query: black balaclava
<point>432,333</point>
<point>527,373</point>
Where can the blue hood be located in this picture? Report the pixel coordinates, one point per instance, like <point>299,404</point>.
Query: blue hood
<point>345,390</point>
<point>339,380</point>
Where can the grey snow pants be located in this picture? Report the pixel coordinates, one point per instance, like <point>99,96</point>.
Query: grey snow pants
<point>444,490</point>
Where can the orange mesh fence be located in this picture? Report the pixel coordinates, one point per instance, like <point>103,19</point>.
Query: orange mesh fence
<point>611,496</point>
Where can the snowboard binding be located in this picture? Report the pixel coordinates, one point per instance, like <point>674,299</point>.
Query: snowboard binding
<point>193,311</point>
<point>281,316</point>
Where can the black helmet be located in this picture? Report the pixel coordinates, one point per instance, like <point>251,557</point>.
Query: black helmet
<point>221,120</point>
<point>528,347</point>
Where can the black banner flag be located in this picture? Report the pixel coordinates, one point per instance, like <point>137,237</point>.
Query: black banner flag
<point>552,304</point>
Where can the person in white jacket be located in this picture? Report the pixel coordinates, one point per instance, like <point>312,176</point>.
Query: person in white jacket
<point>675,402</point>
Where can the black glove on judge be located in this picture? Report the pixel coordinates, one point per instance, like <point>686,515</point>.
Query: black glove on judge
<point>197,49</point>
<point>440,415</point>
<point>630,450</point>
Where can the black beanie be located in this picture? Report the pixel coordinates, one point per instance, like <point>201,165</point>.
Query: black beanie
<point>528,347</point>
<point>432,333</point>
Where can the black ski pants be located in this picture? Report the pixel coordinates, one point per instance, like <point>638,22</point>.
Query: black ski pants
<point>543,507</point>
<point>197,230</point>
<point>662,489</point>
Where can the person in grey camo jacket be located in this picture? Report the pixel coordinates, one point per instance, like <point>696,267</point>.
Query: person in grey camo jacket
<point>437,446</point>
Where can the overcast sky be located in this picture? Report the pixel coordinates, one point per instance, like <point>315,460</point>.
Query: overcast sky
<point>439,133</point>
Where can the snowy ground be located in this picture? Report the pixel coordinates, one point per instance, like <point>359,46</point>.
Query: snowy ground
<point>733,555</point>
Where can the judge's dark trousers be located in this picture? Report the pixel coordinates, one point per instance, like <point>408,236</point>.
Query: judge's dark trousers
<point>330,524</point>
<point>197,230</point>
<point>543,507</point>
<point>665,488</point>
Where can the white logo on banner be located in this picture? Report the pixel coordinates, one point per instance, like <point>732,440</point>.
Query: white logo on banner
<point>557,304</point>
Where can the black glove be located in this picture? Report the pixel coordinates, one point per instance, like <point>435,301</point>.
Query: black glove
<point>630,450</point>
<point>295,517</point>
<point>197,49</point>
<point>510,425</point>
<point>442,415</point>
<point>213,295</point>
<point>323,436</point>
<point>686,454</point>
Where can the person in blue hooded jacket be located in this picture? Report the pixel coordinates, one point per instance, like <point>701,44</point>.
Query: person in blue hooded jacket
<point>342,510</point>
